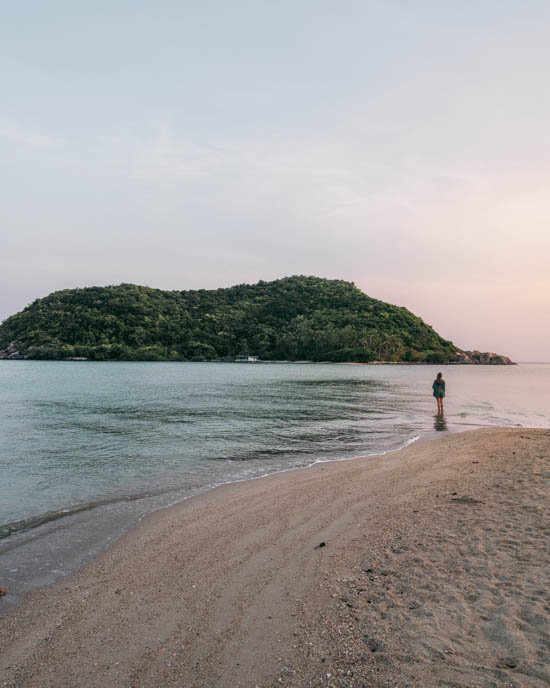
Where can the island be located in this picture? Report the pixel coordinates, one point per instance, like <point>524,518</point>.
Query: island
<point>296,318</point>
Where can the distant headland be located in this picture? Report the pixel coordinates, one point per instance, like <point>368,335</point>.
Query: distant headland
<point>294,319</point>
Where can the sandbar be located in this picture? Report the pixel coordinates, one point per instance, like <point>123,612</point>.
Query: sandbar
<point>428,567</point>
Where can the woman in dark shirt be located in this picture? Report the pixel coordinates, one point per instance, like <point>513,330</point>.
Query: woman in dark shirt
<point>439,391</point>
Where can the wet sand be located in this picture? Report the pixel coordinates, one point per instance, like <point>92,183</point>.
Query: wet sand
<point>424,567</point>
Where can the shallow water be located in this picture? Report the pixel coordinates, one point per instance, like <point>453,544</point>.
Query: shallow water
<point>87,448</point>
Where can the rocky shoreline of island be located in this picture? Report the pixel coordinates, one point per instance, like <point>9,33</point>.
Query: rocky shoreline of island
<point>13,353</point>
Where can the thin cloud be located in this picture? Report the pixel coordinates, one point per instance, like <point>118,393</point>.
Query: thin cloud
<point>31,139</point>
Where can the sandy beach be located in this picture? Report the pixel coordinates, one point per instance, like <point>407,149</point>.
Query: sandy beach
<point>423,567</point>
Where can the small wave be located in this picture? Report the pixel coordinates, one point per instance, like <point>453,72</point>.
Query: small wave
<point>406,443</point>
<point>27,524</point>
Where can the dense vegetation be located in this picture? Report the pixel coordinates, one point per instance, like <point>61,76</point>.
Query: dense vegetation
<point>295,318</point>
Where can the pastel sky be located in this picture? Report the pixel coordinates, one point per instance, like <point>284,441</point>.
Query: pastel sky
<point>403,145</point>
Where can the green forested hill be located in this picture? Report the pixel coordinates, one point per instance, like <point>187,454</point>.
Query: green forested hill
<point>294,318</point>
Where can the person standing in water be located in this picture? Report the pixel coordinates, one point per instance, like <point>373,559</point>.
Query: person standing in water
<point>439,392</point>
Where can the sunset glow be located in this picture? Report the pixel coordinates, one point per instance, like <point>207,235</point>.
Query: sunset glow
<point>404,147</point>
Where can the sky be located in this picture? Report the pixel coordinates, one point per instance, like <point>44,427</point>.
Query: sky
<point>403,145</point>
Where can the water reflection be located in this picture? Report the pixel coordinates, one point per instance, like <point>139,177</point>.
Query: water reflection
<point>440,422</point>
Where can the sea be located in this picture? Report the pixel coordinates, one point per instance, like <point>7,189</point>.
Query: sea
<point>87,449</point>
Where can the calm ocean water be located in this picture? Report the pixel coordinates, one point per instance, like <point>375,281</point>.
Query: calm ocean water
<point>86,449</point>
